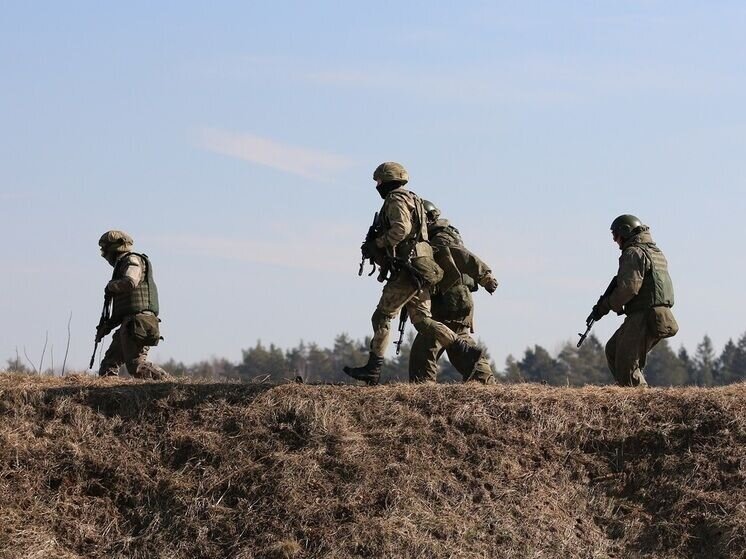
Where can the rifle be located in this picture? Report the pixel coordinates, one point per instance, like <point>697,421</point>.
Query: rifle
<point>105,316</point>
<point>367,247</point>
<point>402,323</point>
<point>590,320</point>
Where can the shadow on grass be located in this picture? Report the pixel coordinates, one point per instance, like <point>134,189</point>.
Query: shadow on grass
<point>134,400</point>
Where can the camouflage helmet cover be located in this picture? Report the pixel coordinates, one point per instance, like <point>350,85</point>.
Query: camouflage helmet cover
<point>625,226</point>
<point>117,241</point>
<point>391,171</point>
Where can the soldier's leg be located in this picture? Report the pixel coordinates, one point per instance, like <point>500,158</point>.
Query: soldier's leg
<point>419,311</point>
<point>135,355</point>
<point>631,349</point>
<point>482,372</point>
<point>611,354</point>
<point>395,294</point>
<point>113,358</point>
<point>423,358</point>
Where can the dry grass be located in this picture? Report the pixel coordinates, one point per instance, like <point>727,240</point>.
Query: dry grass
<point>107,468</point>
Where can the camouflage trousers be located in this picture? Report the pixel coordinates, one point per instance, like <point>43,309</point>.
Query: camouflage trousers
<point>127,350</point>
<point>627,349</point>
<point>398,292</point>
<point>426,350</point>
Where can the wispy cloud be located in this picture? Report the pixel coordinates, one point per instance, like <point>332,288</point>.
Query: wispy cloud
<point>335,251</point>
<point>305,162</point>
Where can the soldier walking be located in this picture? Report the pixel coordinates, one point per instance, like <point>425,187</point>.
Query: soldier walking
<point>401,247</point>
<point>452,302</point>
<point>134,299</point>
<point>643,291</point>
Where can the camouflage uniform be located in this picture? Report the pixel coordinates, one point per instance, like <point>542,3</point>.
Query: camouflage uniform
<point>402,242</point>
<point>134,308</point>
<point>644,292</point>
<point>405,232</point>
<point>453,305</point>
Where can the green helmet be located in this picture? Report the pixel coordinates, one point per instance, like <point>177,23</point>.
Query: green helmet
<point>115,241</point>
<point>390,172</point>
<point>431,210</point>
<point>625,225</point>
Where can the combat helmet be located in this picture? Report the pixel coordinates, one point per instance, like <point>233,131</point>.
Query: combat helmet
<point>391,171</point>
<point>115,241</point>
<point>431,210</point>
<point>625,226</point>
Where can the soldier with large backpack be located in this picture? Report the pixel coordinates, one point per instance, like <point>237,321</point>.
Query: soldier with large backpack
<point>643,291</point>
<point>134,308</point>
<point>399,245</point>
<point>452,302</point>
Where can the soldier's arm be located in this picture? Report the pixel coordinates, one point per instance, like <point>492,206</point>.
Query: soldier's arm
<point>469,263</point>
<point>399,218</point>
<point>132,276</point>
<point>632,266</point>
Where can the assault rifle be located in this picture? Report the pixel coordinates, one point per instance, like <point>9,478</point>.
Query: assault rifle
<point>101,328</point>
<point>590,320</point>
<point>368,247</point>
<point>402,323</point>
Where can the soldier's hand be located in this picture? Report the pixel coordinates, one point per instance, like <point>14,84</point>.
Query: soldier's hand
<point>490,284</point>
<point>102,330</point>
<point>600,310</point>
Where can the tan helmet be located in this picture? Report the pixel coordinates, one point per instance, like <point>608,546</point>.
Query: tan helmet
<point>390,172</point>
<point>115,241</point>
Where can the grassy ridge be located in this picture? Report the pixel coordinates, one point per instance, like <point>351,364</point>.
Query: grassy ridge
<point>108,468</point>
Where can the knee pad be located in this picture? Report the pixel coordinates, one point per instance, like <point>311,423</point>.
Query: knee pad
<point>380,320</point>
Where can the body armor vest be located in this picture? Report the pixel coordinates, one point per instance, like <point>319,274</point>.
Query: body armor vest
<point>455,304</point>
<point>142,298</point>
<point>418,233</point>
<point>657,287</point>
<point>445,235</point>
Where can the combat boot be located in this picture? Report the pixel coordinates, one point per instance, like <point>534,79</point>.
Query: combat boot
<point>471,353</point>
<point>369,373</point>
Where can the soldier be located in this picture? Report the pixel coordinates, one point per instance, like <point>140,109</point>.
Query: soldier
<point>452,303</point>
<point>401,246</point>
<point>134,297</point>
<point>644,292</point>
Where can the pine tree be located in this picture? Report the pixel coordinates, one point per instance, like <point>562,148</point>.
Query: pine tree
<point>585,365</point>
<point>704,363</point>
<point>538,366</point>
<point>664,368</point>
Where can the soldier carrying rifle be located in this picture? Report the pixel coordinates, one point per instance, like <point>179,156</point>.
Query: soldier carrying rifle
<point>643,291</point>
<point>408,269</point>
<point>134,308</point>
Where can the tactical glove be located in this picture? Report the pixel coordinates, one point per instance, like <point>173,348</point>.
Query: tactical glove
<point>600,309</point>
<point>489,283</point>
<point>102,330</point>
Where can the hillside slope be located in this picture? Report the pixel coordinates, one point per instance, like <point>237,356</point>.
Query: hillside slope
<point>107,468</point>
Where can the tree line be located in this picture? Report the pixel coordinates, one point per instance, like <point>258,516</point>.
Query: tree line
<point>570,367</point>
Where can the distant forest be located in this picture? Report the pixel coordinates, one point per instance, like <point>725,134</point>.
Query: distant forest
<point>571,367</point>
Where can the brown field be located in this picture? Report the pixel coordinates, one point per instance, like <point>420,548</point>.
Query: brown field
<point>107,468</point>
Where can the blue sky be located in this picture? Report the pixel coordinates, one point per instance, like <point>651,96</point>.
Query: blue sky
<point>235,142</point>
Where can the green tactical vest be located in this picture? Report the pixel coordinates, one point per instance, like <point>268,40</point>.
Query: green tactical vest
<point>144,297</point>
<point>456,303</point>
<point>444,235</point>
<point>657,287</point>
